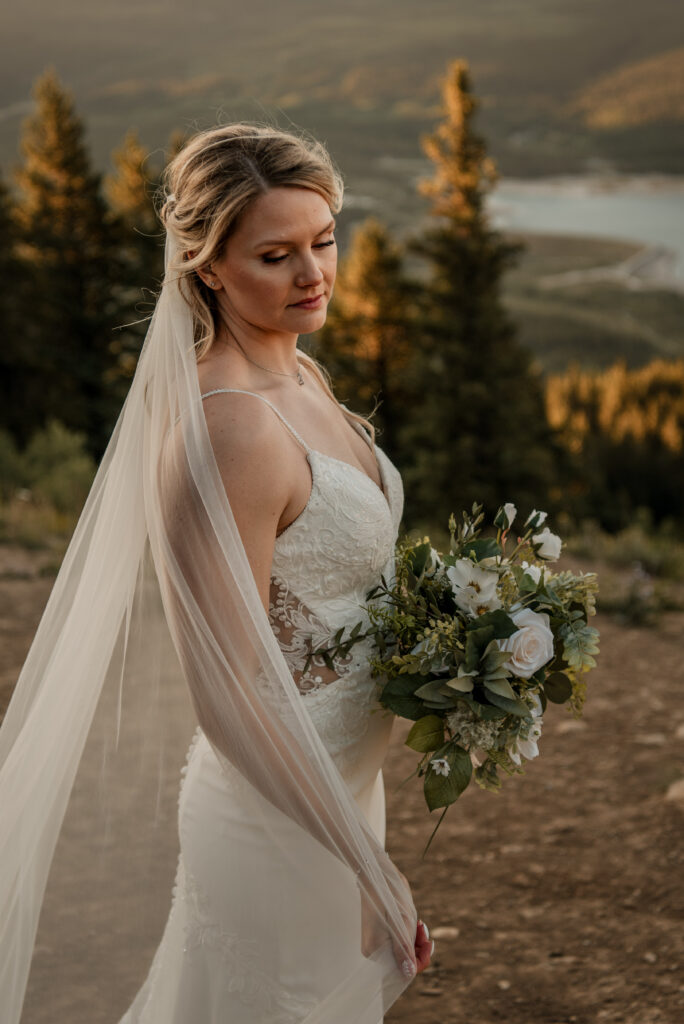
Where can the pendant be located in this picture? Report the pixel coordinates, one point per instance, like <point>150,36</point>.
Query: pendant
<point>300,379</point>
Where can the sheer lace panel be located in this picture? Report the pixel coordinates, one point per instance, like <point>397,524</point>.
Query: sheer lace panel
<point>299,631</point>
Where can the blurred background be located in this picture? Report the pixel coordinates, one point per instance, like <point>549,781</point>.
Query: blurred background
<point>510,296</point>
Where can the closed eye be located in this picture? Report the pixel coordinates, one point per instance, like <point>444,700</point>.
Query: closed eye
<point>279,259</point>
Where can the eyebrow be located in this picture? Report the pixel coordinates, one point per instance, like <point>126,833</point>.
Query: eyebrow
<point>280,241</point>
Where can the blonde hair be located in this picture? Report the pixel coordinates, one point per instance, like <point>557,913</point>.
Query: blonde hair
<point>210,183</point>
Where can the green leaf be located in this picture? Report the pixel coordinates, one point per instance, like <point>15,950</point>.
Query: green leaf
<point>484,547</point>
<point>419,559</point>
<point>502,687</point>
<point>580,642</point>
<point>513,707</point>
<point>398,696</point>
<point>463,684</point>
<point>558,688</point>
<point>426,734</point>
<point>500,622</point>
<point>442,790</point>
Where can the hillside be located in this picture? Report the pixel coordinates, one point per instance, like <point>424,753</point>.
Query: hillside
<point>363,75</point>
<point>637,94</point>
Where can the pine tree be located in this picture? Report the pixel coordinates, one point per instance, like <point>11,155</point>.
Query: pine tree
<point>66,242</point>
<point>130,191</point>
<point>15,351</point>
<point>367,338</point>
<point>479,432</point>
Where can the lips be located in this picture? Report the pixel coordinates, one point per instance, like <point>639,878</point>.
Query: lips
<point>312,303</point>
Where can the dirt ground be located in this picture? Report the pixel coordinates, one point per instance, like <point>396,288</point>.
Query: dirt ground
<point>558,900</point>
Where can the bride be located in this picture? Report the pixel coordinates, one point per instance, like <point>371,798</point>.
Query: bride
<point>239,517</point>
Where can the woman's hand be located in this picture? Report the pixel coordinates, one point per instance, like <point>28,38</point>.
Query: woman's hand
<point>425,947</point>
<point>374,932</point>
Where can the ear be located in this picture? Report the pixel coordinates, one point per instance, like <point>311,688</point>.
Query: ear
<point>207,275</point>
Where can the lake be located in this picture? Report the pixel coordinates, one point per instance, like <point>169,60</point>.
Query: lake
<point>646,209</point>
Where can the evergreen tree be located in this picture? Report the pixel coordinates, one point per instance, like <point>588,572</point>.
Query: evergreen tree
<point>14,351</point>
<point>366,342</point>
<point>67,244</point>
<point>480,431</point>
<point>140,243</point>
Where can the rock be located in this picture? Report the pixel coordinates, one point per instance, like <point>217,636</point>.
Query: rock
<point>675,792</point>
<point>651,739</point>
<point>444,933</point>
<point>571,725</point>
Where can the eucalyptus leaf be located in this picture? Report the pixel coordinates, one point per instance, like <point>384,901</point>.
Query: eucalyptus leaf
<point>502,687</point>
<point>513,707</point>
<point>462,684</point>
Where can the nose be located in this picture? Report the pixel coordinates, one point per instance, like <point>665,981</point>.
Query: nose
<point>309,271</point>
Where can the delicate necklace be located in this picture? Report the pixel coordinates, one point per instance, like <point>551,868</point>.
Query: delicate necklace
<point>298,374</point>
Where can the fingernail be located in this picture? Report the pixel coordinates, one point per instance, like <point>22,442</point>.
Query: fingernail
<point>425,929</point>
<point>433,947</point>
<point>409,968</point>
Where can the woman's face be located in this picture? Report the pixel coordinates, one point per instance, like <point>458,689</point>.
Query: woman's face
<point>278,267</point>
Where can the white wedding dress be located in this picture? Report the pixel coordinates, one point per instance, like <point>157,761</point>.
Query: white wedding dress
<point>221,960</point>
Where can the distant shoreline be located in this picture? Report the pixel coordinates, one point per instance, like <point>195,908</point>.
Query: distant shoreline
<point>646,210</point>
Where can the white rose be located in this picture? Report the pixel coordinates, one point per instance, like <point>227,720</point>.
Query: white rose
<point>533,571</point>
<point>505,516</point>
<point>474,589</point>
<point>510,511</point>
<point>531,646</point>
<point>540,517</point>
<point>549,544</point>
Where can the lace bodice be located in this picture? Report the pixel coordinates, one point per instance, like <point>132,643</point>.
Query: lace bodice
<point>324,564</point>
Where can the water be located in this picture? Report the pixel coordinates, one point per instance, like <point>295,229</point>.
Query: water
<point>647,210</point>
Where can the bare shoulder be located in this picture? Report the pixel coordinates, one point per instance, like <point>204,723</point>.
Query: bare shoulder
<point>251,445</point>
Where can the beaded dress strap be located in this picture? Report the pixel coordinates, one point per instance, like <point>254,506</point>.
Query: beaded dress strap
<point>241,391</point>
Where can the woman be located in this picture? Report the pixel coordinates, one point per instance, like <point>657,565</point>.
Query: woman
<point>240,498</point>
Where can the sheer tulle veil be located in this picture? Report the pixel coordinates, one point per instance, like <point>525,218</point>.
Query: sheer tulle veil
<point>155,624</point>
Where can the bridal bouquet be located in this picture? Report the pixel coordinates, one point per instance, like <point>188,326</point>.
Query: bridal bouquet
<point>474,643</point>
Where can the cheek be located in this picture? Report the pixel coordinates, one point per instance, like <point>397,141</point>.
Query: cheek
<point>256,288</point>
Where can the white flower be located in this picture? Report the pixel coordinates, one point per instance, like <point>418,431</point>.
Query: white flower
<point>549,544</point>
<point>505,516</point>
<point>474,589</point>
<point>533,571</point>
<point>539,517</point>
<point>471,731</point>
<point>526,742</point>
<point>531,646</point>
<point>434,561</point>
<point>441,765</point>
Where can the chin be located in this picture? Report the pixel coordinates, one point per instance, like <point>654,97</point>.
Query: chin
<point>311,321</point>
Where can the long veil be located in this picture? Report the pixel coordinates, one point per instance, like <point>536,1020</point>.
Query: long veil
<point>155,624</point>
